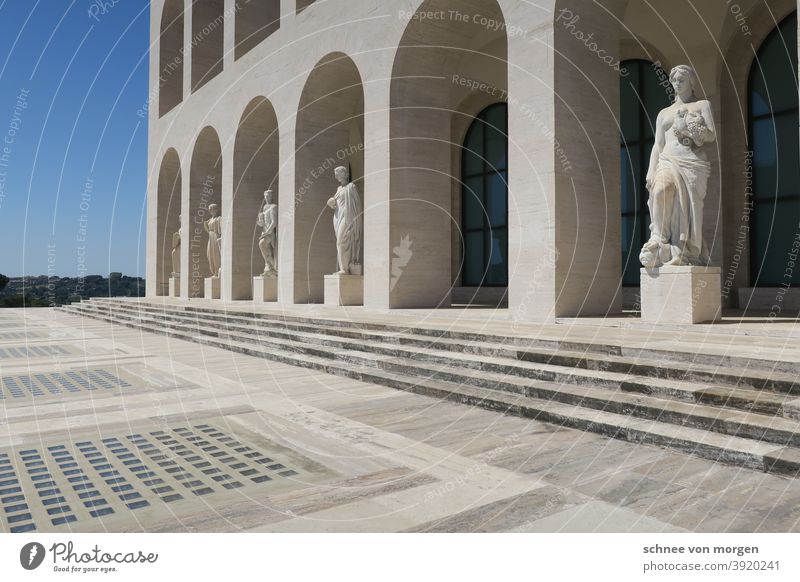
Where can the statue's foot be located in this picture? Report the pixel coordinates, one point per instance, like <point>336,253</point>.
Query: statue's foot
<point>340,273</point>
<point>676,262</point>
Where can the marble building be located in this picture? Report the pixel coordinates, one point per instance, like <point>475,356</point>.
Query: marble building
<point>500,147</point>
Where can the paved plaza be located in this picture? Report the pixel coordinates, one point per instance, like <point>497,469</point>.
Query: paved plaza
<point>107,428</point>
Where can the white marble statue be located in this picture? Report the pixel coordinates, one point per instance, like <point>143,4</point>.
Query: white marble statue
<point>213,227</point>
<point>678,176</point>
<point>268,221</point>
<point>176,251</point>
<point>346,204</point>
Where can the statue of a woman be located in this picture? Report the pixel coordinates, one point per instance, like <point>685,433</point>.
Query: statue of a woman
<point>213,227</point>
<point>678,177</point>
<point>268,221</point>
<point>176,251</point>
<point>346,204</point>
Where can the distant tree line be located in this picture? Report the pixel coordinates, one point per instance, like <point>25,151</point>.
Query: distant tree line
<point>43,291</point>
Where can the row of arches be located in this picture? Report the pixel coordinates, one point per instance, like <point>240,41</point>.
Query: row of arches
<point>449,168</point>
<point>254,21</point>
<point>430,117</point>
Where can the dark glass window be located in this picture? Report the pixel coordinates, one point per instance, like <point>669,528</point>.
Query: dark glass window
<point>484,199</point>
<point>644,91</point>
<point>774,142</point>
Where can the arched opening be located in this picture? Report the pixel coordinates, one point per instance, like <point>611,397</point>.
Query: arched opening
<point>644,91</point>
<point>205,186</point>
<point>255,21</point>
<point>774,143</point>
<point>484,199</point>
<point>168,209</point>
<point>208,33</point>
<point>329,133</point>
<point>255,169</point>
<point>170,57</point>
<point>302,5</point>
<point>446,72</point>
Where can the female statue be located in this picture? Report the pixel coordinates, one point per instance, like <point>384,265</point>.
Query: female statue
<point>678,176</point>
<point>346,204</point>
<point>213,227</point>
<point>268,221</point>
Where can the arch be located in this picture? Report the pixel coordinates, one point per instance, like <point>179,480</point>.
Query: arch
<point>643,93</point>
<point>775,145</point>
<point>255,169</point>
<point>484,199</point>
<point>255,21</point>
<point>329,133</point>
<point>445,72</point>
<point>208,40</point>
<point>168,209</point>
<point>205,187</point>
<point>170,57</point>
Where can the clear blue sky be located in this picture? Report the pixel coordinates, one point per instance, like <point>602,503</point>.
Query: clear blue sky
<point>73,140</point>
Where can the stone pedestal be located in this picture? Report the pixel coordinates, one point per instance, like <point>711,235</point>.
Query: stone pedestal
<point>344,290</point>
<point>212,288</point>
<point>681,294</point>
<point>174,286</point>
<point>265,289</point>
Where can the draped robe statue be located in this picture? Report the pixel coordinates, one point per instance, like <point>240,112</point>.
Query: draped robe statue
<point>678,176</point>
<point>268,221</point>
<point>176,251</point>
<point>346,204</point>
<point>213,227</point>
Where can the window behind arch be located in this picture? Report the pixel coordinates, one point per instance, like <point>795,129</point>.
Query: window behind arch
<point>773,120</point>
<point>644,91</point>
<point>484,199</point>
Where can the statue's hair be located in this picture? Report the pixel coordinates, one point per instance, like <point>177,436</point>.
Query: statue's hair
<point>689,72</point>
<point>338,169</point>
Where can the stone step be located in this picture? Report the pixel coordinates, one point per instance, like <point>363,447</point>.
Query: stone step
<point>689,372</point>
<point>586,394</point>
<point>703,443</point>
<point>521,341</point>
<point>735,398</point>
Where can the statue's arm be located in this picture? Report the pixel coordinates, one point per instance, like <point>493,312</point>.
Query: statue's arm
<point>272,221</point>
<point>708,117</point>
<point>660,140</point>
<point>205,226</point>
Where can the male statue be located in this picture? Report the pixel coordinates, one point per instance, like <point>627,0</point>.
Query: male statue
<point>268,221</point>
<point>213,227</point>
<point>346,205</point>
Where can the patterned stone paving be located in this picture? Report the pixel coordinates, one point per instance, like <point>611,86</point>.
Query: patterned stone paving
<point>42,351</point>
<point>49,384</point>
<point>63,483</point>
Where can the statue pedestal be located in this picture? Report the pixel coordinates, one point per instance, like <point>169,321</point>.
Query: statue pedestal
<point>212,288</point>
<point>344,290</point>
<point>681,294</point>
<point>174,286</point>
<point>265,289</point>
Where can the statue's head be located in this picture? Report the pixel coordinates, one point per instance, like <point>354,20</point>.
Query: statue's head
<point>342,174</point>
<point>268,196</point>
<point>213,209</point>
<point>684,80</point>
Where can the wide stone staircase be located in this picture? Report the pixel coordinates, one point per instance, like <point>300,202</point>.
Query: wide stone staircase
<point>735,410</point>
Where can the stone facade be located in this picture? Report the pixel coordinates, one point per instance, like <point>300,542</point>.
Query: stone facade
<point>273,94</point>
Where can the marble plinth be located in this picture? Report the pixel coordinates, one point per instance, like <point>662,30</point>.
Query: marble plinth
<point>174,286</point>
<point>681,294</point>
<point>344,290</point>
<point>265,289</point>
<point>212,288</point>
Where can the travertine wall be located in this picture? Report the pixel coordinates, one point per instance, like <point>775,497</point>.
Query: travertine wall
<point>394,105</point>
